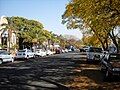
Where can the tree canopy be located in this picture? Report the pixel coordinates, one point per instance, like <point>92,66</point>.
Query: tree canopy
<point>98,16</point>
<point>32,31</point>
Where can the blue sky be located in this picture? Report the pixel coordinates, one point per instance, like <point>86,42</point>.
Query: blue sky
<point>48,12</point>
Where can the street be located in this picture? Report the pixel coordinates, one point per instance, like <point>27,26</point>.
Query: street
<point>67,71</point>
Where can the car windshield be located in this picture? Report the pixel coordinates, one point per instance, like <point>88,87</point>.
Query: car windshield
<point>95,49</point>
<point>3,53</point>
<point>29,51</point>
<point>115,57</point>
<point>21,50</point>
<point>39,50</point>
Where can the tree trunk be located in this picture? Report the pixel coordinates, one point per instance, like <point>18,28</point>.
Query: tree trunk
<point>101,40</point>
<point>113,38</point>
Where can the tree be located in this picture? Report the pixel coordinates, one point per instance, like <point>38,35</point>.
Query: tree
<point>101,16</point>
<point>68,40</point>
<point>10,29</point>
<point>30,31</point>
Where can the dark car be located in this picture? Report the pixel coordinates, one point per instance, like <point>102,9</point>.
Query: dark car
<point>111,65</point>
<point>58,50</point>
<point>83,49</point>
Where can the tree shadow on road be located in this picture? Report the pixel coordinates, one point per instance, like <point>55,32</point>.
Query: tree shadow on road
<point>25,78</point>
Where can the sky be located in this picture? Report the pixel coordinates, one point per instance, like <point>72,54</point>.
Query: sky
<point>48,12</point>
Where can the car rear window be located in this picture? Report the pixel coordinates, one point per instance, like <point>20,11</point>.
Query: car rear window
<point>21,50</point>
<point>3,53</point>
<point>29,51</point>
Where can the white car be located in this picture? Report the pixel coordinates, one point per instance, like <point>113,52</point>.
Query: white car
<point>94,53</point>
<point>40,52</point>
<point>5,57</point>
<point>48,52</point>
<point>66,50</point>
<point>24,54</point>
<point>69,50</point>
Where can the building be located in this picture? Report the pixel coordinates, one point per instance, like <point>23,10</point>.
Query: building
<point>7,37</point>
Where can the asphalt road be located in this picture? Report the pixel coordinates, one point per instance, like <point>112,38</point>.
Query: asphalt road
<point>68,71</point>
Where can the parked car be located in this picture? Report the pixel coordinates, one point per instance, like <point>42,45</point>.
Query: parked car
<point>111,65</point>
<point>94,54</point>
<point>105,55</point>
<point>5,57</point>
<point>84,49</point>
<point>49,52</point>
<point>58,50</point>
<point>40,53</point>
<point>66,50</point>
<point>24,54</point>
<point>69,50</point>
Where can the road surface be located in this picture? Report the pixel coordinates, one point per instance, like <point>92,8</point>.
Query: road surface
<point>68,71</point>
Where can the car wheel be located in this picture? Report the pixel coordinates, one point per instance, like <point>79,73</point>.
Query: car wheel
<point>12,59</point>
<point>0,61</point>
<point>102,68</point>
<point>34,56</point>
<point>27,57</point>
